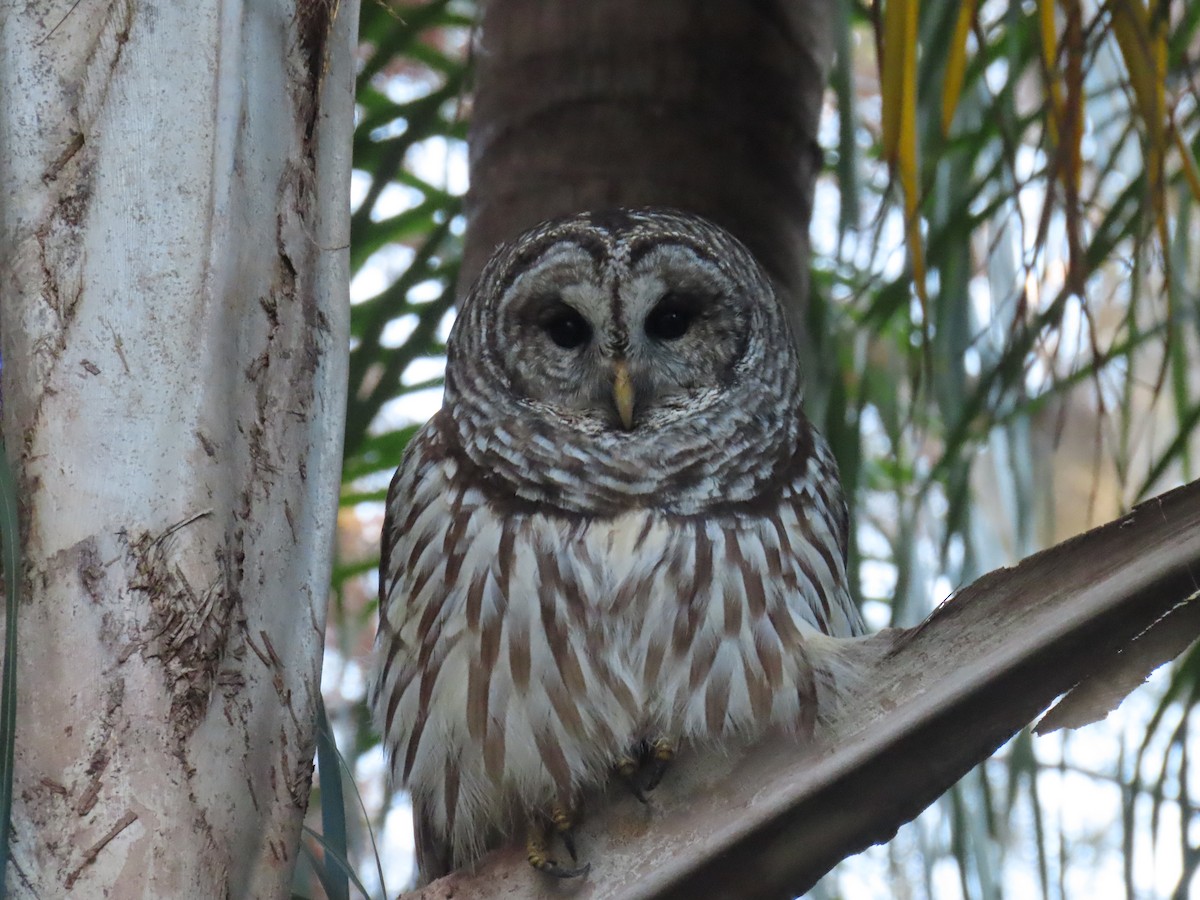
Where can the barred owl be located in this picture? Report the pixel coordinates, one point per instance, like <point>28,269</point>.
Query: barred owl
<point>619,535</point>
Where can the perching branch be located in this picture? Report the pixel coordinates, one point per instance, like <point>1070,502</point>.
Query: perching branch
<point>940,699</point>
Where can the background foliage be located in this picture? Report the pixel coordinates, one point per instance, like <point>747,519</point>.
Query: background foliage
<point>1005,321</point>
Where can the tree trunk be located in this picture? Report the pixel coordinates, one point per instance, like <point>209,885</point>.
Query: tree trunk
<point>175,181</point>
<point>710,107</point>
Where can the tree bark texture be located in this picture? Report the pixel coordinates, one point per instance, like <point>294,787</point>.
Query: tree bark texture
<point>710,106</point>
<point>173,264</point>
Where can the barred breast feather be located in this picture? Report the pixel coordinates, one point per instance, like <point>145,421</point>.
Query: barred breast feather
<point>525,649</point>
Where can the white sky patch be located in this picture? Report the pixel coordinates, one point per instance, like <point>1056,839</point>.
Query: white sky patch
<point>444,326</point>
<point>381,269</point>
<point>413,408</point>
<point>360,183</point>
<point>878,578</point>
<point>424,368</point>
<point>399,330</point>
<point>395,199</point>
<point>425,291</point>
<point>441,162</point>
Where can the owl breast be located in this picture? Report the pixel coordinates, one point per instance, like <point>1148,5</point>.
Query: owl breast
<point>526,649</point>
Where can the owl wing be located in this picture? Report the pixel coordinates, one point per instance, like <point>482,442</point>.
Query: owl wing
<point>409,524</point>
<point>814,513</point>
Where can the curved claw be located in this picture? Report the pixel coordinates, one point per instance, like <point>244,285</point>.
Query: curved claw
<point>661,754</point>
<point>564,823</point>
<point>553,869</point>
<point>654,774</point>
<point>537,845</point>
<point>627,768</point>
<point>568,839</point>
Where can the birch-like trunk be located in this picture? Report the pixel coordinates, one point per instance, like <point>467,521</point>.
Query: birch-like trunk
<point>173,263</point>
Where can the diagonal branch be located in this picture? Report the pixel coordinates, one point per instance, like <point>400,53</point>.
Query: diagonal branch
<point>940,698</point>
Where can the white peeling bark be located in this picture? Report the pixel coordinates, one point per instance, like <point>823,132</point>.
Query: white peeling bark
<point>174,186</point>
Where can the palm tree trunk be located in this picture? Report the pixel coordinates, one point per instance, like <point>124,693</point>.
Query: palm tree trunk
<point>710,107</point>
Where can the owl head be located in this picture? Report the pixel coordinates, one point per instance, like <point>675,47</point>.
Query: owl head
<point>624,322</point>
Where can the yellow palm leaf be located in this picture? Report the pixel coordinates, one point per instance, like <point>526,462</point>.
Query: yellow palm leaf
<point>1143,43</point>
<point>1049,31</point>
<point>956,65</point>
<point>899,90</point>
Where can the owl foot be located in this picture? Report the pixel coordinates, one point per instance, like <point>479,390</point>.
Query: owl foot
<point>643,769</point>
<point>537,845</point>
<point>660,753</point>
<point>628,768</point>
<point>564,823</point>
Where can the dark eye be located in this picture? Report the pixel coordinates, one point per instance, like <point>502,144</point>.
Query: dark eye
<point>566,327</point>
<point>671,318</point>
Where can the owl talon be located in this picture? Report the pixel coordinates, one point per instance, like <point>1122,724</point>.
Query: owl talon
<point>537,845</point>
<point>554,870</point>
<point>661,752</point>
<point>643,770</point>
<point>538,850</point>
<point>627,769</point>
<point>564,823</point>
<point>568,840</point>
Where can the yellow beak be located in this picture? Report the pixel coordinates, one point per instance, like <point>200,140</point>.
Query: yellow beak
<point>623,393</point>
